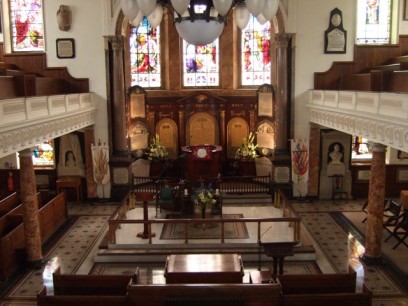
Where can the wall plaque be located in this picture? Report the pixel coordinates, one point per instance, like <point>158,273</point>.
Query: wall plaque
<point>335,37</point>
<point>120,176</point>
<point>65,48</point>
<point>282,174</point>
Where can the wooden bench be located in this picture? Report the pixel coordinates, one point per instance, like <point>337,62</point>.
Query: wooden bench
<point>51,216</point>
<point>9,202</point>
<point>76,284</point>
<point>317,283</point>
<point>80,300</point>
<point>205,294</point>
<point>323,289</point>
<point>363,298</point>
<point>12,241</point>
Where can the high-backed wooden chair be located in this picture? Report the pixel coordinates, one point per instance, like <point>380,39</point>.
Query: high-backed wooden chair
<point>165,196</point>
<point>400,230</point>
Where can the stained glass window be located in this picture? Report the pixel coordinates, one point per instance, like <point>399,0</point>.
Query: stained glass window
<point>144,44</point>
<point>373,21</point>
<point>27,25</point>
<point>201,64</point>
<point>255,53</point>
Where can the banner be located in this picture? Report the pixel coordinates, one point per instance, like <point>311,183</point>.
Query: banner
<point>300,165</point>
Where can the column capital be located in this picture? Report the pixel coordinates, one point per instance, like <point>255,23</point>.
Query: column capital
<point>117,42</point>
<point>378,147</point>
<point>282,40</point>
<point>25,153</point>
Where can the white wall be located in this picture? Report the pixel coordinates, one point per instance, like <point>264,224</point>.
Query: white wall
<point>312,19</point>
<point>88,30</point>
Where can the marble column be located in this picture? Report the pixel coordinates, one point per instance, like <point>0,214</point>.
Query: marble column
<point>116,77</point>
<point>376,195</point>
<point>281,93</point>
<point>29,202</point>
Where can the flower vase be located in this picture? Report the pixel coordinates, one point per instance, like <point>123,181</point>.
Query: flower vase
<point>203,211</point>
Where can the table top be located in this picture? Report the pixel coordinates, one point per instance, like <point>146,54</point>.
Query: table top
<point>203,263</point>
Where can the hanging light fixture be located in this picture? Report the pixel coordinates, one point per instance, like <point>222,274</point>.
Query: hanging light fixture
<point>200,22</point>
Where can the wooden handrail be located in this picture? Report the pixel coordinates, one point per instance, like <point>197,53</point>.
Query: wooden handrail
<point>117,219</point>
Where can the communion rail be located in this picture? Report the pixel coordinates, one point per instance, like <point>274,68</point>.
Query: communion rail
<point>226,184</point>
<point>129,202</point>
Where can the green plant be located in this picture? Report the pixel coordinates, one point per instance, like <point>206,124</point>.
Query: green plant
<point>247,150</point>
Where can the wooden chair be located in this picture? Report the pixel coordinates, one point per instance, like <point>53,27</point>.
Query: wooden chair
<point>365,209</point>
<point>392,213</point>
<point>399,230</point>
<point>164,198</point>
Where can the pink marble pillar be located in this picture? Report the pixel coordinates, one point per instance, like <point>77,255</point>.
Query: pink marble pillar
<point>376,195</point>
<point>29,202</point>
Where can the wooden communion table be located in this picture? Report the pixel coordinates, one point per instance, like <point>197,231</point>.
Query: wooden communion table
<point>204,268</point>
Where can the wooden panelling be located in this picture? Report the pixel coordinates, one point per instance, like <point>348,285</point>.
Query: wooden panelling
<point>35,63</point>
<point>365,56</point>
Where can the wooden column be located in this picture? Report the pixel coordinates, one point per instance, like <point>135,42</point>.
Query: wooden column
<point>281,93</point>
<point>114,46</point>
<point>376,195</point>
<point>29,202</point>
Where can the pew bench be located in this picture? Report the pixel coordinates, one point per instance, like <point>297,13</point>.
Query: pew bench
<point>363,298</point>
<point>79,300</point>
<point>82,284</point>
<point>205,294</point>
<point>317,283</point>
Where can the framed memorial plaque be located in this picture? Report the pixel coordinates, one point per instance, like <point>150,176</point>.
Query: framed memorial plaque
<point>65,48</point>
<point>335,37</point>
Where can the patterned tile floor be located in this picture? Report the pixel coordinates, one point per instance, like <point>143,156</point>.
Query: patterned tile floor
<point>335,248</point>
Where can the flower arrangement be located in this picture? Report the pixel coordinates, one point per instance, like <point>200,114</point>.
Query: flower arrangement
<point>203,198</point>
<point>156,151</point>
<point>247,150</point>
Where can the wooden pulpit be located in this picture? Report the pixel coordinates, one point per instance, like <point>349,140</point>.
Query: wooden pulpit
<point>202,162</point>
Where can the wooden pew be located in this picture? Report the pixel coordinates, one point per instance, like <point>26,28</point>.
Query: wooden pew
<point>318,283</point>
<point>205,294</point>
<point>363,298</point>
<point>8,88</point>
<point>80,300</point>
<point>12,241</point>
<point>82,284</point>
<point>9,202</point>
<point>52,215</point>
<point>323,289</point>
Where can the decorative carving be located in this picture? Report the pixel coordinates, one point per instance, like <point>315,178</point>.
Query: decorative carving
<point>64,17</point>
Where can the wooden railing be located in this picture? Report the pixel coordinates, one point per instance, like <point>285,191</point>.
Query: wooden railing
<point>119,218</point>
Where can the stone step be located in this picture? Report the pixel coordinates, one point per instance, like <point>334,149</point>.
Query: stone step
<point>157,253</point>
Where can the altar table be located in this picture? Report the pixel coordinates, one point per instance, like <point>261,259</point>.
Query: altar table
<point>204,269</point>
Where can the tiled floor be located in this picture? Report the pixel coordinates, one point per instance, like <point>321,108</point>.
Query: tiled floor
<point>336,248</point>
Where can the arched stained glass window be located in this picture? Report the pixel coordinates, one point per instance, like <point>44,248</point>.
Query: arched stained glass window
<point>144,44</point>
<point>27,27</point>
<point>201,64</point>
<point>373,21</point>
<point>255,53</point>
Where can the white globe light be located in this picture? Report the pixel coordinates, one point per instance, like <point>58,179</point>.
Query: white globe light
<point>129,9</point>
<point>188,31</point>
<point>270,9</point>
<point>180,6</point>
<point>241,15</point>
<point>261,18</point>
<point>254,6</point>
<point>147,6</point>
<point>222,6</point>
<point>156,16</point>
<point>136,22</point>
